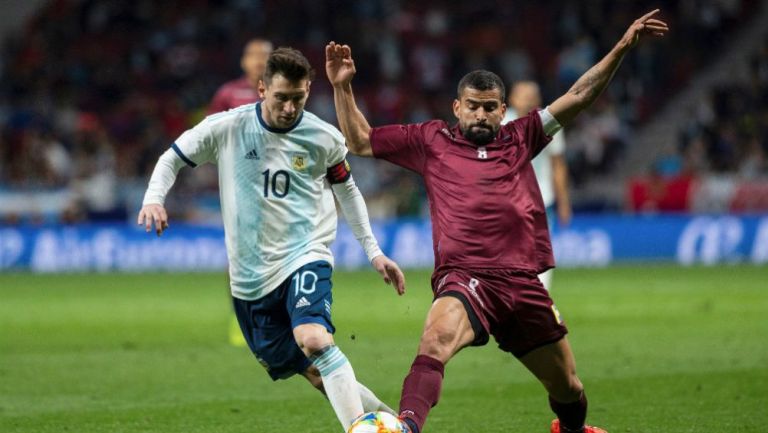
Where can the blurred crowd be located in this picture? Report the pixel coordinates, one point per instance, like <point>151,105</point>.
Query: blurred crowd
<point>728,133</point>
<point>721,160</point>
<point>94,91</point>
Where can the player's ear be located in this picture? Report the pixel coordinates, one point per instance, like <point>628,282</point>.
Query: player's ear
<point>262,89</point>
<point>456,106</point>
<point>503,109</point>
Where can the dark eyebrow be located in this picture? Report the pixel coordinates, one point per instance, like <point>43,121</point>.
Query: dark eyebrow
<point>482,102</point>
<point>291,94</point>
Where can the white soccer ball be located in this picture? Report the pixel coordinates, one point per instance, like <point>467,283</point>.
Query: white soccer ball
<point>377,422</point>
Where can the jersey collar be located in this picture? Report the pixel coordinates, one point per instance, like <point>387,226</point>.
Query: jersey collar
<point>273,129</point>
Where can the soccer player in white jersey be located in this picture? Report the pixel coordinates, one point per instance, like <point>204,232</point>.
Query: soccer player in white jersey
<point>279,167</point>
<point>550,166</point>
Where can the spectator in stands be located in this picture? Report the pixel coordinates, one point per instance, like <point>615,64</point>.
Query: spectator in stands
<point>148,69</point>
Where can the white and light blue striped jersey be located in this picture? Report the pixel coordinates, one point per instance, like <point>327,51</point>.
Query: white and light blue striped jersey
<point>277,206</point>
<point>542,163</point>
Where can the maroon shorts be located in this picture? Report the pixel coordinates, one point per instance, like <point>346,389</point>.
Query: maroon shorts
<point>514,307</point>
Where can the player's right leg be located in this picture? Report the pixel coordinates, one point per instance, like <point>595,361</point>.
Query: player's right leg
<point>447,330</point>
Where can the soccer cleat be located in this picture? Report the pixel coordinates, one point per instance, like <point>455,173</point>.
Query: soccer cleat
<point>406,427</point>
<point>587,429</point>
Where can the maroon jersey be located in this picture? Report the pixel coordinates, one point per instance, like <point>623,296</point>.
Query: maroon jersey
<point>485,203</point>
<point>233,94</point>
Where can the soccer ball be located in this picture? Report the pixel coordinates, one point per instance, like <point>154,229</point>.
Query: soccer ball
<point>377,422</point>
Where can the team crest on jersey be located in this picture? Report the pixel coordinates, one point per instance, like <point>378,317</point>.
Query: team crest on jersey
<point>482,153</point>
<point>299,161</point>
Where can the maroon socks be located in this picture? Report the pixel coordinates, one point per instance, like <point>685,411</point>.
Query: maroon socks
<point>421,391</point>
<point>571,415</point>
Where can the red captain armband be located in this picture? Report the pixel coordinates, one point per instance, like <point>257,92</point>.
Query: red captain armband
<point>339,173</point>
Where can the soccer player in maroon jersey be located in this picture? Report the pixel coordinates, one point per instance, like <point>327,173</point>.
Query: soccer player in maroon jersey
<point>244,90</point>
<point>490,234</point>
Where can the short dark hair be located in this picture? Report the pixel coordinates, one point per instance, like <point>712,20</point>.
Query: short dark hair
<point>289,63</point>
<point>481,80</point>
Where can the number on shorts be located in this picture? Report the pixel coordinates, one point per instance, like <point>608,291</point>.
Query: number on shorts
<point>300,283</point>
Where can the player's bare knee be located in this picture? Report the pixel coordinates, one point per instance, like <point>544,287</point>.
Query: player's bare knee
<point>313,341</point>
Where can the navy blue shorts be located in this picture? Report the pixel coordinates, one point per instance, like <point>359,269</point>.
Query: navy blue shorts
<point>267,323</point>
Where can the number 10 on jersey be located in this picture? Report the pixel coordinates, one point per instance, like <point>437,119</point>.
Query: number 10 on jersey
<point>273,180</point>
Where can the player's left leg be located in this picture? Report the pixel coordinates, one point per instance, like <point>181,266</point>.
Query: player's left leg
<point>308,302</point>
<point>555,367</point>
<point>534,332</point>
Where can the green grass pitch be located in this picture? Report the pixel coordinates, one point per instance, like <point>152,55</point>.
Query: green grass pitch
<point>660,349</point>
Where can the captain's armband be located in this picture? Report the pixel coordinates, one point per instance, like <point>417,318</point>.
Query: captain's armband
<point>339,173</point>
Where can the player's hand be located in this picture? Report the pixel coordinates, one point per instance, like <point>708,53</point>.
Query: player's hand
<point>339,65</point>
<point>644,26</point>
<point>390,271</point>
<point>153,214</point>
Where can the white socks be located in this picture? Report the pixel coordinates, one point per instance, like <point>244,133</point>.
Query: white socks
<point>340,384</point>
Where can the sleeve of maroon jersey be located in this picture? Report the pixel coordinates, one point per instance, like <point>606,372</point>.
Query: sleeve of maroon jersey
<point>401,145</point>
<point>219,102</point>
<point>530,132</point>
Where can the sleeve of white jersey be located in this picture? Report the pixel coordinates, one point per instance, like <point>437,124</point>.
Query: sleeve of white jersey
<point>338,150</point>
<point>197,146</point>
<point>194,147</point>
<point>354,210</point>
<point>163,177</point>
<point>557,145</point>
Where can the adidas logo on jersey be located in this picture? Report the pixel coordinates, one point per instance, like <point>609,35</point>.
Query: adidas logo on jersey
<point>302,303</point>
<point>252,154</point>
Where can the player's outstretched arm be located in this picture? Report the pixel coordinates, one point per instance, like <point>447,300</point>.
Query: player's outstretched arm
<point>355,212</point>
<point>340,69</point>
<point>594,81</point>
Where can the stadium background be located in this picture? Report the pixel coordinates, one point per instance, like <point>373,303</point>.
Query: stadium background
<point>668,173</point>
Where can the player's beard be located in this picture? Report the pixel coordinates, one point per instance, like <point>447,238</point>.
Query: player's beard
<point>479,134</point>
